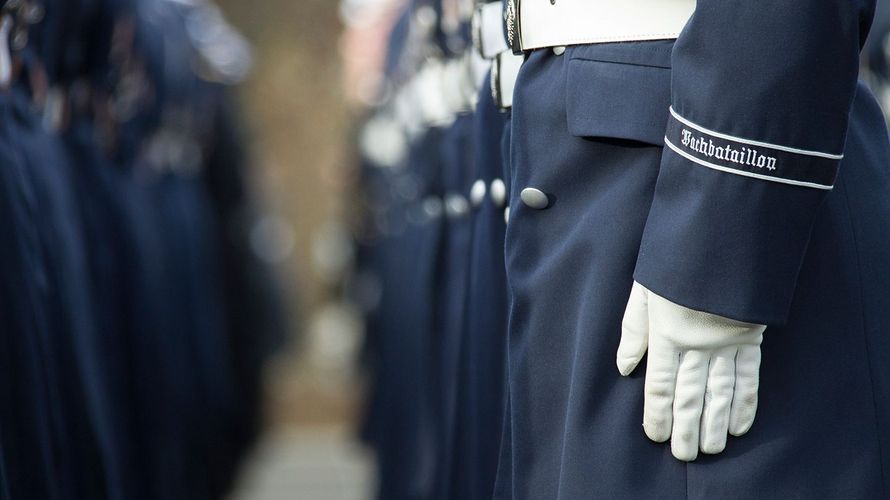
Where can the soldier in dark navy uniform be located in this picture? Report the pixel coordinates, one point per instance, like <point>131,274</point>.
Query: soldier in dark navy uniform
<point>714,210</point>
<point>28,427</point>
<point>114,338</point>
<point>482,368</point>
<point>437,336</point>
<point>404,191</point>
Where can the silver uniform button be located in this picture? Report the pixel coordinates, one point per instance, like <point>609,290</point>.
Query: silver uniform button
<point>456,206</point>
<point>534,198</point>
<point>498,193</point>
<point>559,50</point>
<point>507,215</point>
<point>477,193</point>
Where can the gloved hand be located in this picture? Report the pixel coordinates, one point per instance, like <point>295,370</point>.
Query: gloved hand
<point>702,373</point>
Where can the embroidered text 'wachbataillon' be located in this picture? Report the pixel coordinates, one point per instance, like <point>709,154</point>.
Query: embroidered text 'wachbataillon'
<point>750,158</point>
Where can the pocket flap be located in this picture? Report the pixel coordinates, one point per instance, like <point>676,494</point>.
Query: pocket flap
<point>618,100</point>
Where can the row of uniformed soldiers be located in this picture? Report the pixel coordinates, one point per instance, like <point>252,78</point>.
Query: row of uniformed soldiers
<point>434,151</point>
<point>430,271</point>
<point>134,315</point>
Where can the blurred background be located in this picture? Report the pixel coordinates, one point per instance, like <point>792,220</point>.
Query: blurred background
<point>298,120</point>
<point>297,123</point>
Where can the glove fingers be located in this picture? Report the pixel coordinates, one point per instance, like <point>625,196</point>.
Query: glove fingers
<point>692,379</point>
<point>718,401</point>
<point>634,331</point>
<point>661,379</point>
<point>744,401</point>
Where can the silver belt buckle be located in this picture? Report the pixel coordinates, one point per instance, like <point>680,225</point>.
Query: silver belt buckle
<point>513,24</point>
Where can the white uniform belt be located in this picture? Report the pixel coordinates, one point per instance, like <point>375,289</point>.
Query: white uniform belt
<point>439,91</point>
<point>504,72</point>
<point>488,30</point>
<point>535,24</point>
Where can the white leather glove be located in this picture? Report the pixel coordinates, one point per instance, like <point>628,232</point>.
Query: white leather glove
<point>701,377</point>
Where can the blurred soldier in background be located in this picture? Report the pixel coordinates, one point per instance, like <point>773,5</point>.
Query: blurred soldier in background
<point>131,357</point>
<point>431,242</point>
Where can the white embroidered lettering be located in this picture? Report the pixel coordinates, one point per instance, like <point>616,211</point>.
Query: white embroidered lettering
<point>743,156</point>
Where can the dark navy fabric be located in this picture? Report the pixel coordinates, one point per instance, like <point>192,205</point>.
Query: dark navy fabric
<point>419,305</point>
<point>450,291</point>
<point>4,480</point>
<point>481,370</point>
<point>503,482</point>
<point>29,427</point>
<point>192,298</point>
<point>405,423</point>
<point>505,151</point>
<point>723,81</point>
<point>157,323</point>
<point>806,262</point>
<point>371,263</point>
<point>125,257</point>
<point>117,378</point>
<point>89,436</point>
<point>574,422</point>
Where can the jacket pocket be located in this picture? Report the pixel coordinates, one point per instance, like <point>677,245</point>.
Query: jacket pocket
<point>620,91</point>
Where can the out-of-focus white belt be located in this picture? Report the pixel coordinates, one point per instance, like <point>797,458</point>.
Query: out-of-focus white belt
<point>535,24</point>
<point>488,38</point>
<point>488,30</point>
<point>504,72</point>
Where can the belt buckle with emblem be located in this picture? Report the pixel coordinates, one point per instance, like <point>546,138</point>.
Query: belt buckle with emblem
<point>514,31</point>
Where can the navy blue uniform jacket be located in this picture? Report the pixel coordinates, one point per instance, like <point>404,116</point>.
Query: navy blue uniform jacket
<point>740,170</point>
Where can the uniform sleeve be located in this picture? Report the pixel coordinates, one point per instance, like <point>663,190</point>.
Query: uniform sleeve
<point>761,97</point>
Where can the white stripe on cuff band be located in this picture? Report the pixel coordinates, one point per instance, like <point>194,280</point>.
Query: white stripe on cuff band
<point>754,143</point>
<point>742,172</point>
